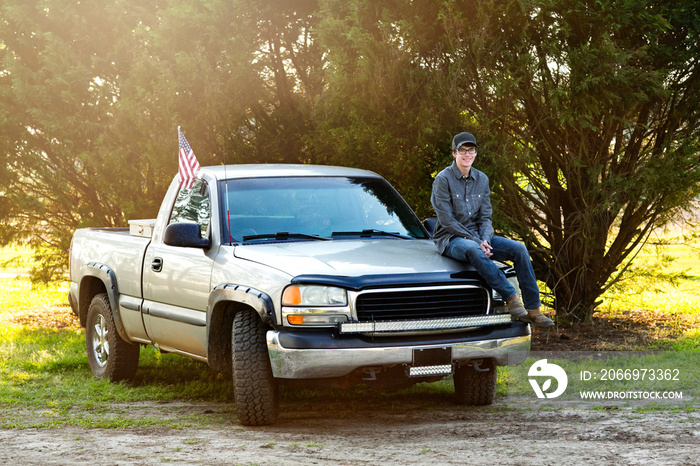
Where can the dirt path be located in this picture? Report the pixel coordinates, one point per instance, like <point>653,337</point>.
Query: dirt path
<point>515,433</point>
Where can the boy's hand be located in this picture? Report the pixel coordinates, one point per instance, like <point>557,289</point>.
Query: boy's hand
<point>486,247</point>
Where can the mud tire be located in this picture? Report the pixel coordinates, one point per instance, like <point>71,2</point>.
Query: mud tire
<point>476,387</point>
<point>109,356</point>
<point>256,394</point>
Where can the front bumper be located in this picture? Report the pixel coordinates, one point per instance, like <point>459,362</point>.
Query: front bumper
<point>311,355</point>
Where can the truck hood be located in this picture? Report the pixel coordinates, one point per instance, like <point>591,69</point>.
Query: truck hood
<point>351,258</point>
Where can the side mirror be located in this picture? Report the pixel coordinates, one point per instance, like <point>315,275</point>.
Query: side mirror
<point>185,235</point>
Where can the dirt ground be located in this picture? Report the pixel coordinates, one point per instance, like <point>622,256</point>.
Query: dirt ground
<point>515,430</point>
<point>517,433</point>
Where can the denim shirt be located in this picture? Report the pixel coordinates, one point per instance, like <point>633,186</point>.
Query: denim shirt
<point>462,205</point>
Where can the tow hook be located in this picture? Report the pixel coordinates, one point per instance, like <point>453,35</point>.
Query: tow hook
<point>475,365</point>
<point>371,374</point>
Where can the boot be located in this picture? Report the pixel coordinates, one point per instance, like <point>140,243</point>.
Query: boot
<point>516,308</point>
<point>535,317</point>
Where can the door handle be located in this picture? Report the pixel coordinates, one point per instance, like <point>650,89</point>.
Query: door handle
<point>157,264</point>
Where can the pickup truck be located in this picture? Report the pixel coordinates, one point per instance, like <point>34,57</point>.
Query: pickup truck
<point>290,274</point>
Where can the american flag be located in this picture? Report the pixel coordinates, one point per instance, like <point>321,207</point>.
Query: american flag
<point>188,166</point>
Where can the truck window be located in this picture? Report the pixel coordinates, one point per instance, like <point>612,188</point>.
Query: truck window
<point>316,206</point>
<point>192,205</point>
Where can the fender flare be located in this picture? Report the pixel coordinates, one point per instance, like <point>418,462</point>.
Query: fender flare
<point>220,319</point>
<point>107,276</point>
<point>256,299</point>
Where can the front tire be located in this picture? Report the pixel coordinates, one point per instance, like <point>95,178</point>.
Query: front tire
<point>256,391</point>
<point>475,384</point>
<point>109,356</point>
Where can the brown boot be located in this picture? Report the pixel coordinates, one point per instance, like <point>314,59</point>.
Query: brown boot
<point>516,308</point>
<point>535,317</point>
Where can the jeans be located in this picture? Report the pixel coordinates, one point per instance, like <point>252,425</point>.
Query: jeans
<point>504,249</point>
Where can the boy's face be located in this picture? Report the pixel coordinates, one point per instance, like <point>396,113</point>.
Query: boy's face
<point>464,157</point>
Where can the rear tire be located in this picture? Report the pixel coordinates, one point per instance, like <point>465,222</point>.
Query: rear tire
<point>256,391</point>
<point>476,387</point>
<point>109,356</point>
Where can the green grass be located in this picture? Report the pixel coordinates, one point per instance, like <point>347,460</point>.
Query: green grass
<point>19,294</point>
<point>666,278</point>
<point>45,371</point>
<point>16,291</point>
<point>666,281</point>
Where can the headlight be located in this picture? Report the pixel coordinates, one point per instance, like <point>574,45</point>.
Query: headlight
<point>315,305</point>
<point>314,295</point>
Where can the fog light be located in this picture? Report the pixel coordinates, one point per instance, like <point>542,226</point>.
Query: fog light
<point>316,319</point>
<point>296,320</point>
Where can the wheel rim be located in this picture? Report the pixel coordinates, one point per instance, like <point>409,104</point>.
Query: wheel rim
<point>100,343</point>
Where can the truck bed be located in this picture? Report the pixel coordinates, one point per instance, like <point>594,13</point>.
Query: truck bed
<point>115,247</point>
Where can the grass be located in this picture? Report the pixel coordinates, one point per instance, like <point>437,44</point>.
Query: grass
<point>45,380</point>
<point>45,371</point>
<point>666,281</point>
<point>18,294</point>
<point>667,267</point>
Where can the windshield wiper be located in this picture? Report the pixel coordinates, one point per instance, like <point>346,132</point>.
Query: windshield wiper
<point>369,233</point>
<point>284,235</point>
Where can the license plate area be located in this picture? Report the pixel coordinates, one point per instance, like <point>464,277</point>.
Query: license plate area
<point>428,362</point>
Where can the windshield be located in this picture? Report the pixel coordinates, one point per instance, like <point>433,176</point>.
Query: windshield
<point>307,208</point>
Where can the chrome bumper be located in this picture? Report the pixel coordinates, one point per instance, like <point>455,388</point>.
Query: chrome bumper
<point>336,362</point>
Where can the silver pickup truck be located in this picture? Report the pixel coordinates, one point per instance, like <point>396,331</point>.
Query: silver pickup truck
<point>290,274</point>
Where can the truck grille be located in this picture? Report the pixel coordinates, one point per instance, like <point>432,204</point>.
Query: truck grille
<point>399,305</point>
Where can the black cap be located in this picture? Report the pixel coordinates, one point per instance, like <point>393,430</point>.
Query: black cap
<point>462,139</point>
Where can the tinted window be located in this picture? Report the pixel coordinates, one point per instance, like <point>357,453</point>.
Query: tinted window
<point>315,206</point>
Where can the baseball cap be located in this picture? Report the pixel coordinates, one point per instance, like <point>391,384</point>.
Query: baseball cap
<point>462,139</point>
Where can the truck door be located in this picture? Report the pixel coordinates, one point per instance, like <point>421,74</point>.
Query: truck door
<point>176,280</point>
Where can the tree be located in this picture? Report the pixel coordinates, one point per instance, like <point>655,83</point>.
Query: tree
<point>92,94</point>
<point>593,107</point>
<point>285,66</point>
<point>60,62</point>
<point>387,106</point>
